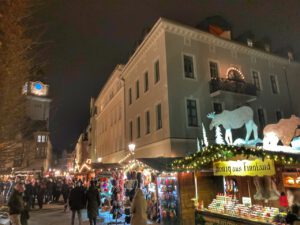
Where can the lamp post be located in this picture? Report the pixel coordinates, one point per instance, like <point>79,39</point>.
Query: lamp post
<point>131,147</point>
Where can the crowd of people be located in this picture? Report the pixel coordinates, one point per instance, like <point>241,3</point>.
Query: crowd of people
<point>22,196</point>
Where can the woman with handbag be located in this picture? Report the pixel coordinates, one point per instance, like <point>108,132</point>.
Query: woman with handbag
<point>139,209</point>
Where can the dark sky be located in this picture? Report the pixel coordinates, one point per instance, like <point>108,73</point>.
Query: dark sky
<point>89,37</point>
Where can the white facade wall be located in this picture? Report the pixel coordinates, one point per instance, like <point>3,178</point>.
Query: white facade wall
<point>110,133</point>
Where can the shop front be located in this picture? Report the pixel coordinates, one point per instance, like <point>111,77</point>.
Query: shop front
<point>237,184</point>
<point>249,193</point>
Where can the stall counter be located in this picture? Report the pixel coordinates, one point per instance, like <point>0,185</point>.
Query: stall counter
<point>213,218</point>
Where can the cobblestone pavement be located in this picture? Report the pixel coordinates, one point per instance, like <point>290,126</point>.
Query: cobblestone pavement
<point>53,214</point>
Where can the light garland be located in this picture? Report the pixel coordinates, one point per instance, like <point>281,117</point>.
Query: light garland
<point>236,70</point>
<point>212,153</point>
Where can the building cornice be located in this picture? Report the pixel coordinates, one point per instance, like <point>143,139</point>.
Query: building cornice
<point>205,37</point>
<point>113,76</point>
<point>148,41</point>
<point>165,25</point>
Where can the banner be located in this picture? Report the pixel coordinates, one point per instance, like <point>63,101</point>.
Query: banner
<point>244,168</point>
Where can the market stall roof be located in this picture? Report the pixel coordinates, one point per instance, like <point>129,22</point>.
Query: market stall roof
<point>213,153</point>
<point>160,164</point>
<point>106,166</point>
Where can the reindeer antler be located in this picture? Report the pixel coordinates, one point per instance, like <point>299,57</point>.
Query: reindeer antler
<point>211,115</point>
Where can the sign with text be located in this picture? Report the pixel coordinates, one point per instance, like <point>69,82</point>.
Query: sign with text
<point>244,168</point>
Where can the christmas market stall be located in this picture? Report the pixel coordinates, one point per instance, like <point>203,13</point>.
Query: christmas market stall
<point>174,192</point>
<point>110,183</point>
<point>237,184</point>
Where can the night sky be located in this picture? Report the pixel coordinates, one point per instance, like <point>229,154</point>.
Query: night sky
<point>86,39</point>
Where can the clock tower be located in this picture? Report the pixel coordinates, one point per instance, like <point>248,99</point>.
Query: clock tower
<point>38,101</point>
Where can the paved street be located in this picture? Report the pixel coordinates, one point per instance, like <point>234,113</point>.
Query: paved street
<point>50,215</point>
<point>53,214</point>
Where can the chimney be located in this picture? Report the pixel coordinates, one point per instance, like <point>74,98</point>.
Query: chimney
<point>226,34</point>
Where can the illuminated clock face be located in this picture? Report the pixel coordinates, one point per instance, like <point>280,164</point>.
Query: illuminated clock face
<point>38,88</point>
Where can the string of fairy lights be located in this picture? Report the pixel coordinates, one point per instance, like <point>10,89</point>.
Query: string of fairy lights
<point>212,153</point>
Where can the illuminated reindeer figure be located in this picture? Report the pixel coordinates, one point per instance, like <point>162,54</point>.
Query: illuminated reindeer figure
<point>233,120</point>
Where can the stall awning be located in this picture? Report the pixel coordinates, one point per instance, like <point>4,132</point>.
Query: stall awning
<point>160,164</point>
<point>106,166</point>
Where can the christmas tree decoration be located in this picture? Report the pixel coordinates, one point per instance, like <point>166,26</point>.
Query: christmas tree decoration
<point>219,138</point>
<point>198,145</point>
<point>204,135</point>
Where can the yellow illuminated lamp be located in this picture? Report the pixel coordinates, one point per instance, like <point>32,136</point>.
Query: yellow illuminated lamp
<point>298,180</point>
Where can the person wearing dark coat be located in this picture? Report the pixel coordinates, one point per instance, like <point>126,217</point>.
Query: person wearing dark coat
<point>293,215</point>
<point>77,201</point>
<point>41,190</point>
<point>65,190</point>
<point>28,194</point>
<point>93,203</point>
<point>16,204</point>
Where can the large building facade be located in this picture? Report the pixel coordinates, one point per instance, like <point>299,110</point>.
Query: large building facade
<point>110,119</point>
<point>180,74</point>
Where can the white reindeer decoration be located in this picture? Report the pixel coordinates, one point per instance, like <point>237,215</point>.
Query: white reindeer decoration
<point>233,120</point>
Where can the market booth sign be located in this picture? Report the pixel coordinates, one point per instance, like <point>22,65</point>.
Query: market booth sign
<point>244,168</point>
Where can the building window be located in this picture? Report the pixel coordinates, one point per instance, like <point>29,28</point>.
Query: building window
<point>256,80</point>
<point>274,84</point>
<point>137,88</point>
<point>130,131</point>
<point>188,66</point>
<point>146,82</point>
<point>39,138</point>
<point>214,70</point>
<point>43,138</point>
<point>278,115</point>
<point>261,117</point>
<point>147,122</point>
<point>191,107</point>
<point>158,117</point>
<point>218,108</point>
<point>130,96</point>
<point>138,127</point>
<point>156,72</point>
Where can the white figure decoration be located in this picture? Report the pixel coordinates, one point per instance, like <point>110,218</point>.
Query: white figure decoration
<point>198,145</point>
<point>204,135</point>
<point>233,120</point>
<point>285,130</point>
<point>219,138</point>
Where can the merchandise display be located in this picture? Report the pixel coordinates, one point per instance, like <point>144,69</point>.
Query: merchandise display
<point>167,191</point>
<point>229,205</point>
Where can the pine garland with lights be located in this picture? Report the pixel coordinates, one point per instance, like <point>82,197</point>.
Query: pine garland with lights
<point>212,153</point>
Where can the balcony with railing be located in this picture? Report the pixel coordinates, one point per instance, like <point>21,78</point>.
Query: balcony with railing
<point>239,89</point>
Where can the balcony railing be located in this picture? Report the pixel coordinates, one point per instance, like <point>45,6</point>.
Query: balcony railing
<point>240,87</point>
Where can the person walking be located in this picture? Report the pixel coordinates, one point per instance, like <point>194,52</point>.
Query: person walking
<point>16,204</point>
<point>28,194</point>
<point>77,201</point>
<point>41,189</point>
<point>93,203</point>
<point>65,190</point>
<point>138,209</point>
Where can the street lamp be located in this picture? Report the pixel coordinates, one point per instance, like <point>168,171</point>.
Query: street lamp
<point>131,147</point>
<point>99,159</point>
